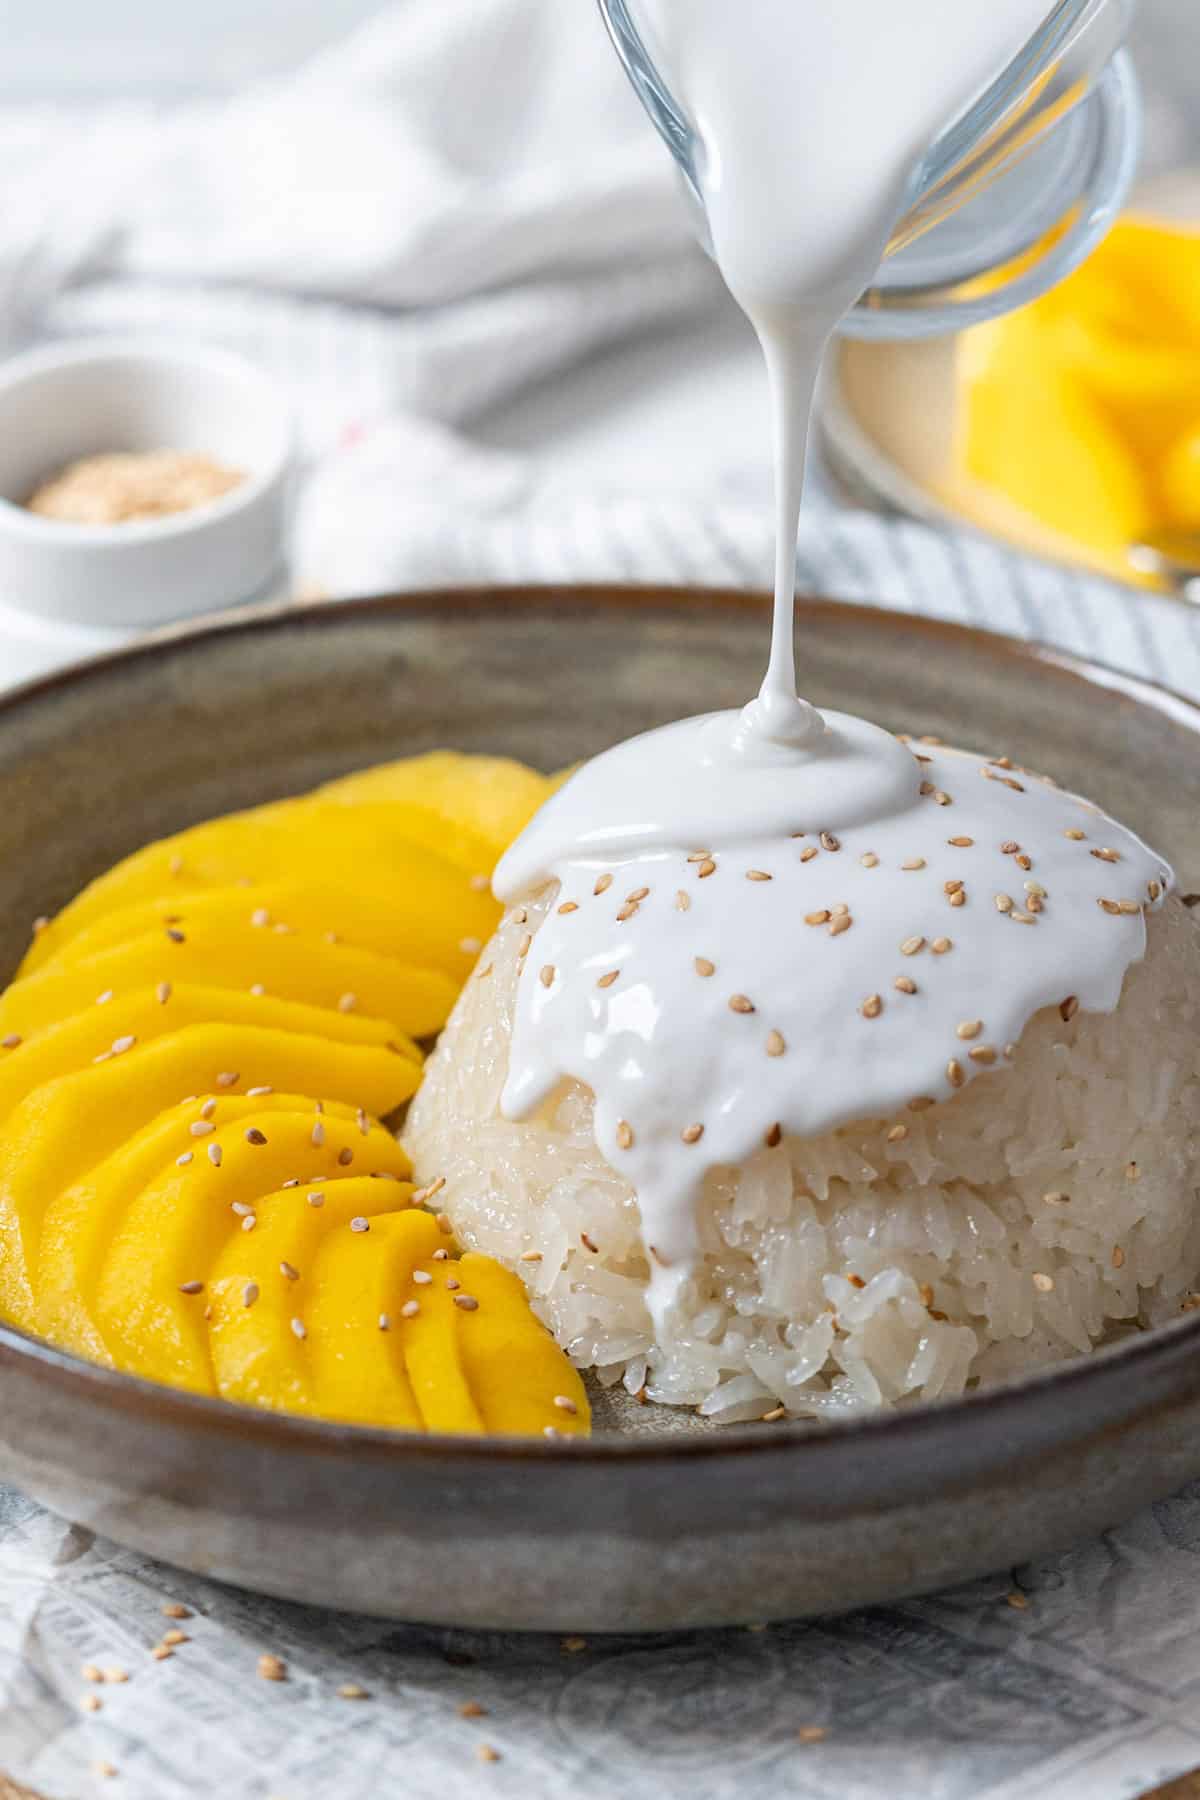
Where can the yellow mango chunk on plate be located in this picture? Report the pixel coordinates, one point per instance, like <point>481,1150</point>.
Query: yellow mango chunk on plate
<point>67,1126</point>
<point>521,1382</point>
<point>303,841</point>
<point>433,1352</point>
<point>138,1016</point>
<point>233,953</point>
<point>390,921</point>
<point>266,1279</point>
<point>149,1302</point>
<point>489,795</point>
<point>79,1221</point>
<point>359,1372</point>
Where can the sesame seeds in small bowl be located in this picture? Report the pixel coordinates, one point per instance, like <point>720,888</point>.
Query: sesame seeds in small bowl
<point>212,416</point>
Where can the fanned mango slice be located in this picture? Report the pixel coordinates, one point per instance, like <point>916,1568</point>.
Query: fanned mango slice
<point>359,1372</point>
<point>491,796</point>
<point>78,1223</point>
<point>67,1126</point>
<point>390,921</point>
<point>138,1016</point>
<point>265,1279</point>
<point>298,840</point>
<point>521,1381</point>
<point>433,1353</point>
<point>173,1231</point>
<point>233,953</point>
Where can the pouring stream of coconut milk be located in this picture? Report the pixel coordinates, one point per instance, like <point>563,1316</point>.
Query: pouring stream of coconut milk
<point>754,925</point>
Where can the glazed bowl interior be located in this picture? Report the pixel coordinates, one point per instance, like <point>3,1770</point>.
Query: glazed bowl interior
<point>97,761</point>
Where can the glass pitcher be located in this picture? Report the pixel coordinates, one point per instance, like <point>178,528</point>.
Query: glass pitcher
<point>1031,175</point>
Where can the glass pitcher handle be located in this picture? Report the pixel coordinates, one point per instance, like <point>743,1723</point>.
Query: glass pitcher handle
<point>927,311</point>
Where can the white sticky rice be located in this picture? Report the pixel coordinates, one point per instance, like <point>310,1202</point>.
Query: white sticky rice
<point>1044,1208</point>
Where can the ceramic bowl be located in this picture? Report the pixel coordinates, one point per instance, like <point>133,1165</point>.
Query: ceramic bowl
<point>657,1522</point>
<point>114,394</point>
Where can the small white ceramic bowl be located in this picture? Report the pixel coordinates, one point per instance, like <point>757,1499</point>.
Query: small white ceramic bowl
<point>116,394</point>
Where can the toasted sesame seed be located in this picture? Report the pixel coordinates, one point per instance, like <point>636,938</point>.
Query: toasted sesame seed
<point>739,1003</point>
<point>11,1042</point>
<point>410,1309</point>
<point>1056,1197</point>
<point>829,842</point>
<point>1074,833</point>
<point>588,1243</point>
<point>214,1155</point>
<point>565,1404</point>
<point>1018,1602</point>
<point>807,854</point>
<point>176,936</point>
<point>911,946</point>
<point>299,1330</point>
<point>181,1162</point>
<point>940,945</point>
<point>961,843</point>
<point>471,1709</point>
<point>350,1690</point>
<point>423,1195</point>
<point>927,787</point>
<point>776,1412</point>
<point>546,975</point>
<point>982,1053</point>
<point>838,923</point>
<point>174,1609</point>
<point>904,984</point>
<point>776,1043</point>
<point>1118,1257</point>
<point>959,897</point>
<point>573,1645</point>
<point>774,1136</point>
<point>467,1302</point>
<point>817,918</point>
<point>706,868</point>
<point>91,1703</point>
<point>699,856</point>
<point>191,1287</point>
<point>812,1734</point>
<point>254,1136</point>
<point>250,1221</point>
<point>523,948</point>
<point>911,863</point>
<point>103,1768</point>
<point>122,1044</point>
<point>703,966</point>
<point>951,887</point>
<point>1009,847</point>
<point>921,1103</point>
<point>955,1073</point>
<point>1043,1283</point>
<point>1108,856</point>
<point>272,1668</point>
<point>872,1006</point>
<point>757,875</point>
<point>116,1675</point>
<point>422,1277</point>
<point>260,917</point>
<point>316,1199</point>
<point>897,1134</point>
<point>89,1672</point>
<point>487,1753</point>
<point>969,1028</point>
<point>603,883</point>
<point>316,1136</point>
<point>624,1135</point>
<point>1109,906</point>
<point>606,981</point>
<point>258,990</point>
<point>530,1256</point>
<point>691,1134</point>
<point>1003,903</point>
<point>637,895</point>
<point>683,901</point>
<point>208,1109</point>
<point>568,906</point>
<point>869,860</point>
<point>627,912</point>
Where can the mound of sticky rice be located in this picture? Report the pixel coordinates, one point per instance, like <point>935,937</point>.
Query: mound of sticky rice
<point>1044,1208</point>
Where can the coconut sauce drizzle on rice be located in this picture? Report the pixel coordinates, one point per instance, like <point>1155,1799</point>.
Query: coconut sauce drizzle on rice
<point>748,940</point>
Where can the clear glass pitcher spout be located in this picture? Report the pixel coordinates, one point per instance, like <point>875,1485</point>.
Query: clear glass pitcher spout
<point>1011,196</point>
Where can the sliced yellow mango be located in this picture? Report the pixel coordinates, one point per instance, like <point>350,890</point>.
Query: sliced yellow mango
<point>78,1222</point>
<point>147,1306</point>
<point>359,1372</point>
<point>258,1357</point>
<point>321,844</point>
<point>392,921</point>
<point>233,953</point>
<point>67,1126</point>
<point>433,1352</point>
<point>489,795</point>
<point>138,1016</point>
<point>517,1374</point>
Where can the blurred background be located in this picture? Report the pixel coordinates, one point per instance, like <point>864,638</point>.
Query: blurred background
<point>445,228</point>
